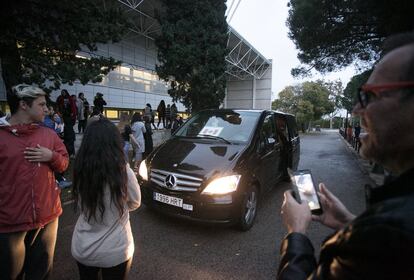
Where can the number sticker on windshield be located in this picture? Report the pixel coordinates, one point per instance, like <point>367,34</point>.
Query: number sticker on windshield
<point>211,130</point>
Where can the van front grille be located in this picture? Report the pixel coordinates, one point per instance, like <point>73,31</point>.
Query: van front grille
<point>175,181</point>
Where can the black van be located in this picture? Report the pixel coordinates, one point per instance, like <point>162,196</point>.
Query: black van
<point>216,165</point>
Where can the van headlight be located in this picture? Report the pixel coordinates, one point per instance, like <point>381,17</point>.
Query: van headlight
<point>222,185</point>
<point>143,171</point>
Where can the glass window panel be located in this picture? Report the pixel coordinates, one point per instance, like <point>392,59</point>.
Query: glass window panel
<point>125,70</point>
<point>111,114</point>
<point>147,76</point>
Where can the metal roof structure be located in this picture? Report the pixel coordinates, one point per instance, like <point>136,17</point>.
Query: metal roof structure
<point>243,60</point>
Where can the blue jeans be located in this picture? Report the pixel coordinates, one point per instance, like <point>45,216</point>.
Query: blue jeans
<point>127,146</point>
<point>28,253</point>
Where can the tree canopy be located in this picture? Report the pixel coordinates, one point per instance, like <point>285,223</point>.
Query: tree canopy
<point>40,40</point>
<point>331,34</point>
<point>349,98</point>
<point>192,50</point>
<point>309,101</point>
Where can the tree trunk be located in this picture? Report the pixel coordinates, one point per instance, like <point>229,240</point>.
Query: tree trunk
<point>10,64</point>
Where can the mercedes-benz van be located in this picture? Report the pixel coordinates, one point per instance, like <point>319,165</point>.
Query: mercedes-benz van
<point>218,163</point>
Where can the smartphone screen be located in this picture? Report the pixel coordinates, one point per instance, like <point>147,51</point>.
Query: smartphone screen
<point>307,191</point>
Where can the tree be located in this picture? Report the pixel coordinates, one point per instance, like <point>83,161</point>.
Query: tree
<point>288,100</point>
<point>336,90</point>
<point>309,101</point>
<point>349,98</point>
<point>40,40</point>
<point>331,34</point>
<point>192,51</point>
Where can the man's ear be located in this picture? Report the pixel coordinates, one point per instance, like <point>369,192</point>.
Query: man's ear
<point>23,105</point>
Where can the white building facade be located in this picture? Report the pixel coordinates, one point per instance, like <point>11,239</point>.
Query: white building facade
<point>135,83</point>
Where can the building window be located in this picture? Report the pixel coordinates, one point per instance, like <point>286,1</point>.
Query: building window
<point>125,70</point>
<point>111,114</point>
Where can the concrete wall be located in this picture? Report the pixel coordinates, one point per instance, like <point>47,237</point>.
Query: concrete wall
<point>250,94</point>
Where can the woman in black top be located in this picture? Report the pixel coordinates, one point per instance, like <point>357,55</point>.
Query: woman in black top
<point>161,113</point>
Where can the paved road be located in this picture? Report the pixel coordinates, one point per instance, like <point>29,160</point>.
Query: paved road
<point>167,248</point>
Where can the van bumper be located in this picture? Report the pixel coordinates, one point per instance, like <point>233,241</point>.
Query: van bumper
<point>224,209</point>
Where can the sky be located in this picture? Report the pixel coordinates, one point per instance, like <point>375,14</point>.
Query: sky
<point>263,24</point>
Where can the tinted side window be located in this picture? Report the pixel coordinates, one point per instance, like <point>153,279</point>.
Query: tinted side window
<point>268,132</point>
<point>281,127</point>
<point>292,128</point>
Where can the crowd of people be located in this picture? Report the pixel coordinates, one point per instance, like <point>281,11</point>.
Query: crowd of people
<point>104,187</point>
<point>378,244</point>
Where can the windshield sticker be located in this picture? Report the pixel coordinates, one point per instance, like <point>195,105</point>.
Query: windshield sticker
<point>211,130</point>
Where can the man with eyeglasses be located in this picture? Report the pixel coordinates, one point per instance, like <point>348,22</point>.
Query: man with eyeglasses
<point>30,153</point>
<point>379,243</point>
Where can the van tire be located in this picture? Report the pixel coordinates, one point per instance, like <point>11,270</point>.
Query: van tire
<point>248,209</point>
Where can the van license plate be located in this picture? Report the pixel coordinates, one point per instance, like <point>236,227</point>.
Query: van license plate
<point>175,201</point>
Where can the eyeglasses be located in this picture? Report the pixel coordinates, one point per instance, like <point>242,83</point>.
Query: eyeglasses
<point>367,93</point>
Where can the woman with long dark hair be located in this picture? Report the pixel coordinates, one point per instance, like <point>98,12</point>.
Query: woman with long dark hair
<point>105,189</point>
<point>161,114</point>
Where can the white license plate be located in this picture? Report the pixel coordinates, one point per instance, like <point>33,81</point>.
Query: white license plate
<point>175,201</point>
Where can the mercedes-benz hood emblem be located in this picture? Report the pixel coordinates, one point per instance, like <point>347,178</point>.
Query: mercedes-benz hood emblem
<point>170,181</point>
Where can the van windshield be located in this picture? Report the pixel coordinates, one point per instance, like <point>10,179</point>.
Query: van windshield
<point>233,126</point>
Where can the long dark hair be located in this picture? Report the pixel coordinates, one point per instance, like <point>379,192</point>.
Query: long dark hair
<point>100,163</point>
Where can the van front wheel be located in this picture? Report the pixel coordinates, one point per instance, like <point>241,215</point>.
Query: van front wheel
<point>249,208</point>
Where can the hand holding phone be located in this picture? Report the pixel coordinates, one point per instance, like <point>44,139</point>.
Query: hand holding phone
<point>304,190</point>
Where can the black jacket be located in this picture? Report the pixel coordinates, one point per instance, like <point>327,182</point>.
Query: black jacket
<point>99,103</point>
<point>378,244</point>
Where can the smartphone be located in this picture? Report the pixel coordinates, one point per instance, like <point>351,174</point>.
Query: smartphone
<point>305,190</point>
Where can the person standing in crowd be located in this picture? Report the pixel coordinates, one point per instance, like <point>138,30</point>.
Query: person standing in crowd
<point>123,121</point>
<point>128,138</point>
<point>99,102</point>
<point>29,202</point>
<point>174,112</point>
<point>67,107</point>
<point>138,129</point>
<point>379,243</point>
<point>59,125</point>
<point>49,121</point>
<point>83,112</point>
<point>105,189</point>
<point>150,114</point>
<point>161,114</point>
<point>153,115</point>
<point>149,146</point>
<point>147,110</point>
<point>95,115</point>
<point>168,116</point>
<point>357,130</point>
<point>176,123</point>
